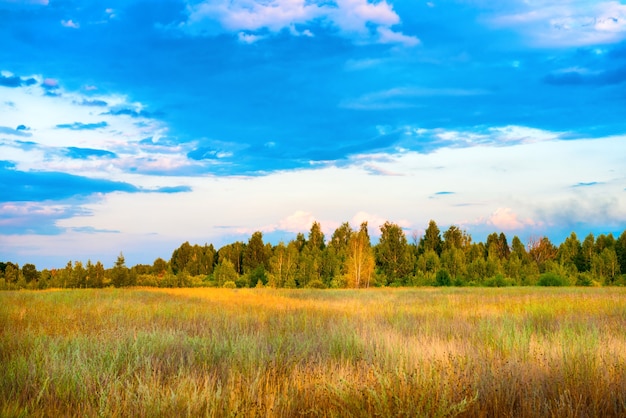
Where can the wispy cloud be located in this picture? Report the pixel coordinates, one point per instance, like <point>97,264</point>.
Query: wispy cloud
<point>405,97</point>
<point>552,23</point>
<point>79,126</point>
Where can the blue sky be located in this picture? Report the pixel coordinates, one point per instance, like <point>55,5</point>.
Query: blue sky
<point>134,126</point>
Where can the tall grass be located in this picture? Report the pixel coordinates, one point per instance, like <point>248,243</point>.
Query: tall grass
<point>280,353</point>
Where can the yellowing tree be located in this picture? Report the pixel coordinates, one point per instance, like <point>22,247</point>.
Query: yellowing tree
<point>360,260</point>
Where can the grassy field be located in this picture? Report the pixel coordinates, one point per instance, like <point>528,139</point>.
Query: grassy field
<point>283,353</point>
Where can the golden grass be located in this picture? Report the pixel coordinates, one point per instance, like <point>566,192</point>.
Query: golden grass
<point>517,352</point>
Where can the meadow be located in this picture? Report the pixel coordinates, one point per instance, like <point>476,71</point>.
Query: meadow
<point>469,352</point>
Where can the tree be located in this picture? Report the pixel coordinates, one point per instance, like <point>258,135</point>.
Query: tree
<point>429,262</point>
<point>586,253</point>
<point>455,238</point>
<point>255,255</point>
<point>159,267</point>
<point>360,259</point>
<point>431,239</point>
<point>181,257</point>
<point>620,251</point>
<point>311,262</point>
<point>79,275</point>
<point>30,273</point>
<point>234,253</point>
<point>316,237</point>
<point>393,256</point>
<point>605,265</point>
<point>337,250</point>
<point>541,250</point>
<point>119,272</point>
<point>497,246</point>
<point>11,274</point>
<point>225,272</point>
<point>95,274</point>
<point>569,253</point>
<point>453,261</point>
<point>283,265</point>
<point>517,248</point>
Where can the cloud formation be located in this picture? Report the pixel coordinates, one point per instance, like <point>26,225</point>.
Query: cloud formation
<point>554,23</point>
<point>249,18</point>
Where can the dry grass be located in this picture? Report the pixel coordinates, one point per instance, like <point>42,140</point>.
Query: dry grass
<point>279,353</point>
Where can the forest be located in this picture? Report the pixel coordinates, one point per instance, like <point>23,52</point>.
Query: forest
<point>350,260</point>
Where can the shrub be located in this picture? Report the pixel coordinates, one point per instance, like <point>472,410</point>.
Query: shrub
<point>498,281</point>
<point>443,278</point>
<point>316,284</point>
<point>550,279</point>
<point>230,285</point>
<point>584,279</point>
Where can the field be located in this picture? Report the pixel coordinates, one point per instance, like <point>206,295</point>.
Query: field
<point>514,352</point>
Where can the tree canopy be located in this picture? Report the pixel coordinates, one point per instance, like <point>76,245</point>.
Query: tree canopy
<point>350,259</point>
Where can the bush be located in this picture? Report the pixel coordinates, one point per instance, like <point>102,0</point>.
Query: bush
<point>498,281</point>
<point>229,285</point>
<point>584,279</point>
<point>316,284</point>
<point>443,278</point>
<point>551,279</point>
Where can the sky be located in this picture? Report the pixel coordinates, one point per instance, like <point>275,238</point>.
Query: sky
<point>133,126</point>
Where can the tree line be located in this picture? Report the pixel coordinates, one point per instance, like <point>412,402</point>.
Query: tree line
<point>349,260</point>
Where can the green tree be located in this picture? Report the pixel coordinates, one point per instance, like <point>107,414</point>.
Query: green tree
<point>587,251</point>
<point>517,248</point>
<point>393,255</point>
<point>337,251</point>
<point>30,273</point>
<point>95,274</point>
<point>453,261</point>
<point>605,265</point>
<point>234,253</point>
<point>120,273</point>
<point>428,263</point>
<point>255,254</point>
<point>79,275</point>
<point>453,237</point>
<point>225,272</point>
<point>570,252</point>
<point>181,257</point>
<point>620,251</point>
<point>283,265</point>
<point>11,275</point>
<point>431,239</point>
<point>312,262</point>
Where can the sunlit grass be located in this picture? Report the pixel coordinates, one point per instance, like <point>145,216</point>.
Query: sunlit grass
<point>262,352</point>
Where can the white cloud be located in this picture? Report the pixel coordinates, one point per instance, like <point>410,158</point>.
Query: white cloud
<point>120,134</point>
<point>552,23</point>
<point>505,219</point>
<point>388,36</point>
<point>493,136</point>
<point>248,38</point>
<point>352,18</point>
<point>70,24</point>
<point>299,221</point>
<point>519,187</point>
